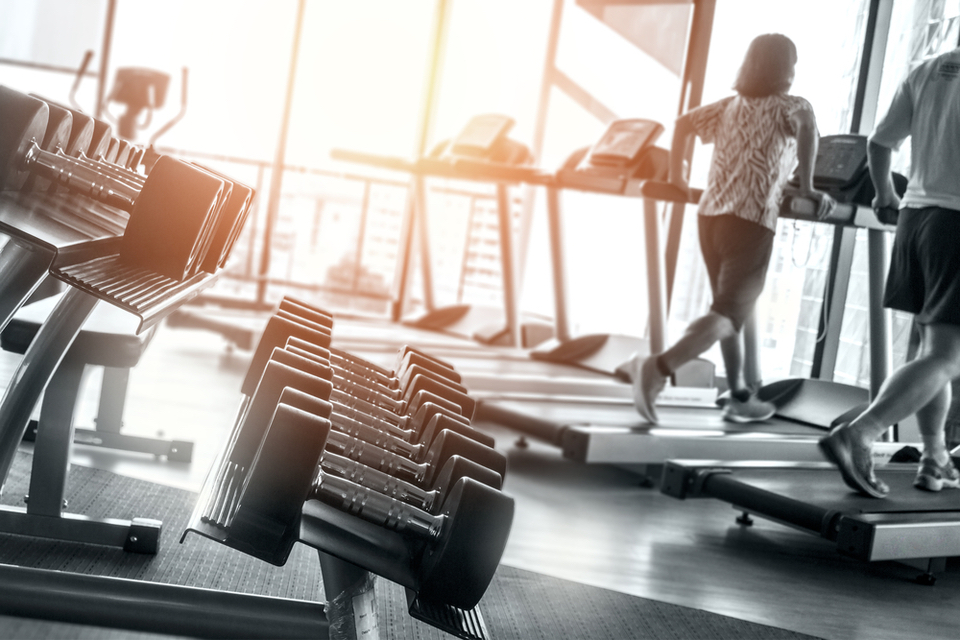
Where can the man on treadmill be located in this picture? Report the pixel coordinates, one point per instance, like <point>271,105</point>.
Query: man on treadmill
<point>924,277</point>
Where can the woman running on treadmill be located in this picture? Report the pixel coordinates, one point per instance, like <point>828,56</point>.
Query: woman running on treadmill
<point>759,136</point>
<point>924,277</point>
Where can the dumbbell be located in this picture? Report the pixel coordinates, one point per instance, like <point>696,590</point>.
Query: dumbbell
<point>428,413</point>
<point>258,500</point>
<point>231,222</point>
<point>279,329</point>
<point>427,418</point>
<point>424,492</point>
<point>462,545</point>
<point>374,429</point>
<point>321,317</point>
<point>80,139</point>
<point>221,234</point>
<point>454,553</point>
<point>282,325</point>
<point>274,390</point>
<point>221,230</point>
<point>276,334</point>
<point>433,485</point>
<point>428,499</point>
<point>414,382</point>
<point>57,135</point>
<point>462,542</point>
<point>422,472</point>
<point>168,215</point>
<point>406,355</point>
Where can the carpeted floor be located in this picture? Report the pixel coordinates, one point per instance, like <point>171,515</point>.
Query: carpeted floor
<point>518,604</point>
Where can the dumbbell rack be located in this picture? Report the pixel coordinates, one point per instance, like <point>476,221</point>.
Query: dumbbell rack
<point>77,241</point>
<point>336,536</point>
<point>262,508</point>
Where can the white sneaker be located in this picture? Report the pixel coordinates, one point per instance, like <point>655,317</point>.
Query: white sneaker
<point>753,409</point>
<point>647,383</point>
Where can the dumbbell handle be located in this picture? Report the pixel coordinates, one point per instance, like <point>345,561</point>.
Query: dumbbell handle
<point>70,172</point>
<point>356,413</point>
<point>332,464</point>
<point>377,458</point>
<point>374,436</point>
<point>377,508</point>
<point>116,172</point>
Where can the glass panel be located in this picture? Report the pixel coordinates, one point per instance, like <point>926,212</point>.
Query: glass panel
<point>920,29</point>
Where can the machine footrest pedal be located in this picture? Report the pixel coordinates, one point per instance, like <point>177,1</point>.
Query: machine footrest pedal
<point>462,623</point>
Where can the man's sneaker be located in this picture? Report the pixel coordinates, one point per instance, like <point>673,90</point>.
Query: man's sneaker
<point>934,477</point>
<point>753,409</point>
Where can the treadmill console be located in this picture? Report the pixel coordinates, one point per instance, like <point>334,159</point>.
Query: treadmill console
<point>625,151</point>
<point>481,135</point>
<point>623,143</point>
<point>841,162</point>
<point>841,171</point>
<point>483,141</point>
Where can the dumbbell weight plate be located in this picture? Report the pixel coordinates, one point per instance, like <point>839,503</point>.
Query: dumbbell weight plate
<point>232,218</point>
<point>458,568</point>
<point>81,128</point>
<point>210,227</point>
<point>278,484</point>
<point>123,153</point>
<point>100,143</point>
<point>24,123</point>
<point>450,443</point>
<point>457,467</point>
<point>56,136</point>
<point>165,231</point>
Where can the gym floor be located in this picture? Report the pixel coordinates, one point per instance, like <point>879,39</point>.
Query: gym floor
<point>594,524</point>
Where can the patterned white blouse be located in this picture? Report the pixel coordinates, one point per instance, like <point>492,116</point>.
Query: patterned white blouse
<point>755,151</point>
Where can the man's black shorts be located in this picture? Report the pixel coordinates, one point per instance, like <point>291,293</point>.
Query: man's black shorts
<point>924,276</point>
<point>737,253</point>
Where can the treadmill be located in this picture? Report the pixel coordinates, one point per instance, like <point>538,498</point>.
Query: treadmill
<point>915,527</point>
<point>919,528</point>
<point>481,152</point>
<point>608,430</point>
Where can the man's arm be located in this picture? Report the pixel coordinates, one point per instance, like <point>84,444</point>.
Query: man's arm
<point>880,160</point>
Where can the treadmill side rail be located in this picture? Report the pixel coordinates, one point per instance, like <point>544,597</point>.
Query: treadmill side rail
<point>899,536</point>
<point>682,481</point>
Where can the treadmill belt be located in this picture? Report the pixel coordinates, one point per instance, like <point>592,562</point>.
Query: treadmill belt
<point>625,415</point>
<point>825,489</point>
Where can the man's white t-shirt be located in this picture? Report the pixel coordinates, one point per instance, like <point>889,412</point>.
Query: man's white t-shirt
<point>926,107</point>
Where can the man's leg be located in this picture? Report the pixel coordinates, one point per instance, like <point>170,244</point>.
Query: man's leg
<point>936,468</point>
<point>930,420</point>
<point>916,387</point>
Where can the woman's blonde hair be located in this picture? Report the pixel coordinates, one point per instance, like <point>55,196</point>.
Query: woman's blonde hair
<point>767,68</point>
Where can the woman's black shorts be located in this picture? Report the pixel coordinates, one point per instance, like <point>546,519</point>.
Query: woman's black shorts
<point>737,254</point>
